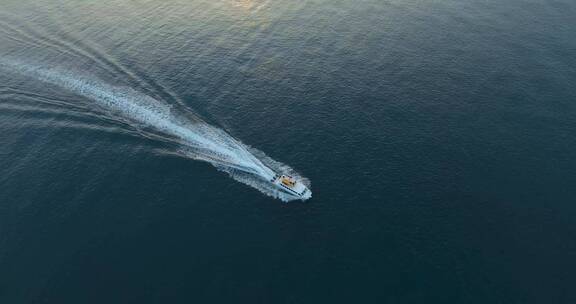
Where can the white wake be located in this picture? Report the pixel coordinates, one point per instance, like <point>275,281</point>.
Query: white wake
<point>198,140</point>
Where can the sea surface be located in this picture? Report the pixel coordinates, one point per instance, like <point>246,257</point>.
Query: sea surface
<point>438,138</point>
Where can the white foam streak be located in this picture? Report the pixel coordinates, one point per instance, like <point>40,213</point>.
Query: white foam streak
<point>199,140</point>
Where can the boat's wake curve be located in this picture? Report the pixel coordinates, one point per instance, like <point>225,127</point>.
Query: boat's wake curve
<point>196,139</point>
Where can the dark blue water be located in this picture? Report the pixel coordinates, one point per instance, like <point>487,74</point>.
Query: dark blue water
<point>438,136</point>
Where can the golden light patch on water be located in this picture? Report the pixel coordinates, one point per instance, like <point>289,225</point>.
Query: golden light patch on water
<point>246,4</point>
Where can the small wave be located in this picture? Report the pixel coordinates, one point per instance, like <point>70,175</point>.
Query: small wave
<point>72,46</point>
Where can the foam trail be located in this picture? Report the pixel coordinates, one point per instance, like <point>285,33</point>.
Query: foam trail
<point>198,139</point>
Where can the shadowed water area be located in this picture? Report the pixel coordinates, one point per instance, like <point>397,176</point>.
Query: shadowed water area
<point>438,138</point>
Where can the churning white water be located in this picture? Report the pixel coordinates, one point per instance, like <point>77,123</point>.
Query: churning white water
<point>197,139</point>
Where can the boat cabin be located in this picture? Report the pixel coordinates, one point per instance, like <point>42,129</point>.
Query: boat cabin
<point>288,181</point>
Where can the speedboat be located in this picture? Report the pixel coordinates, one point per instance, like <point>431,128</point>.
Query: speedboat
<point>290,185</point>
